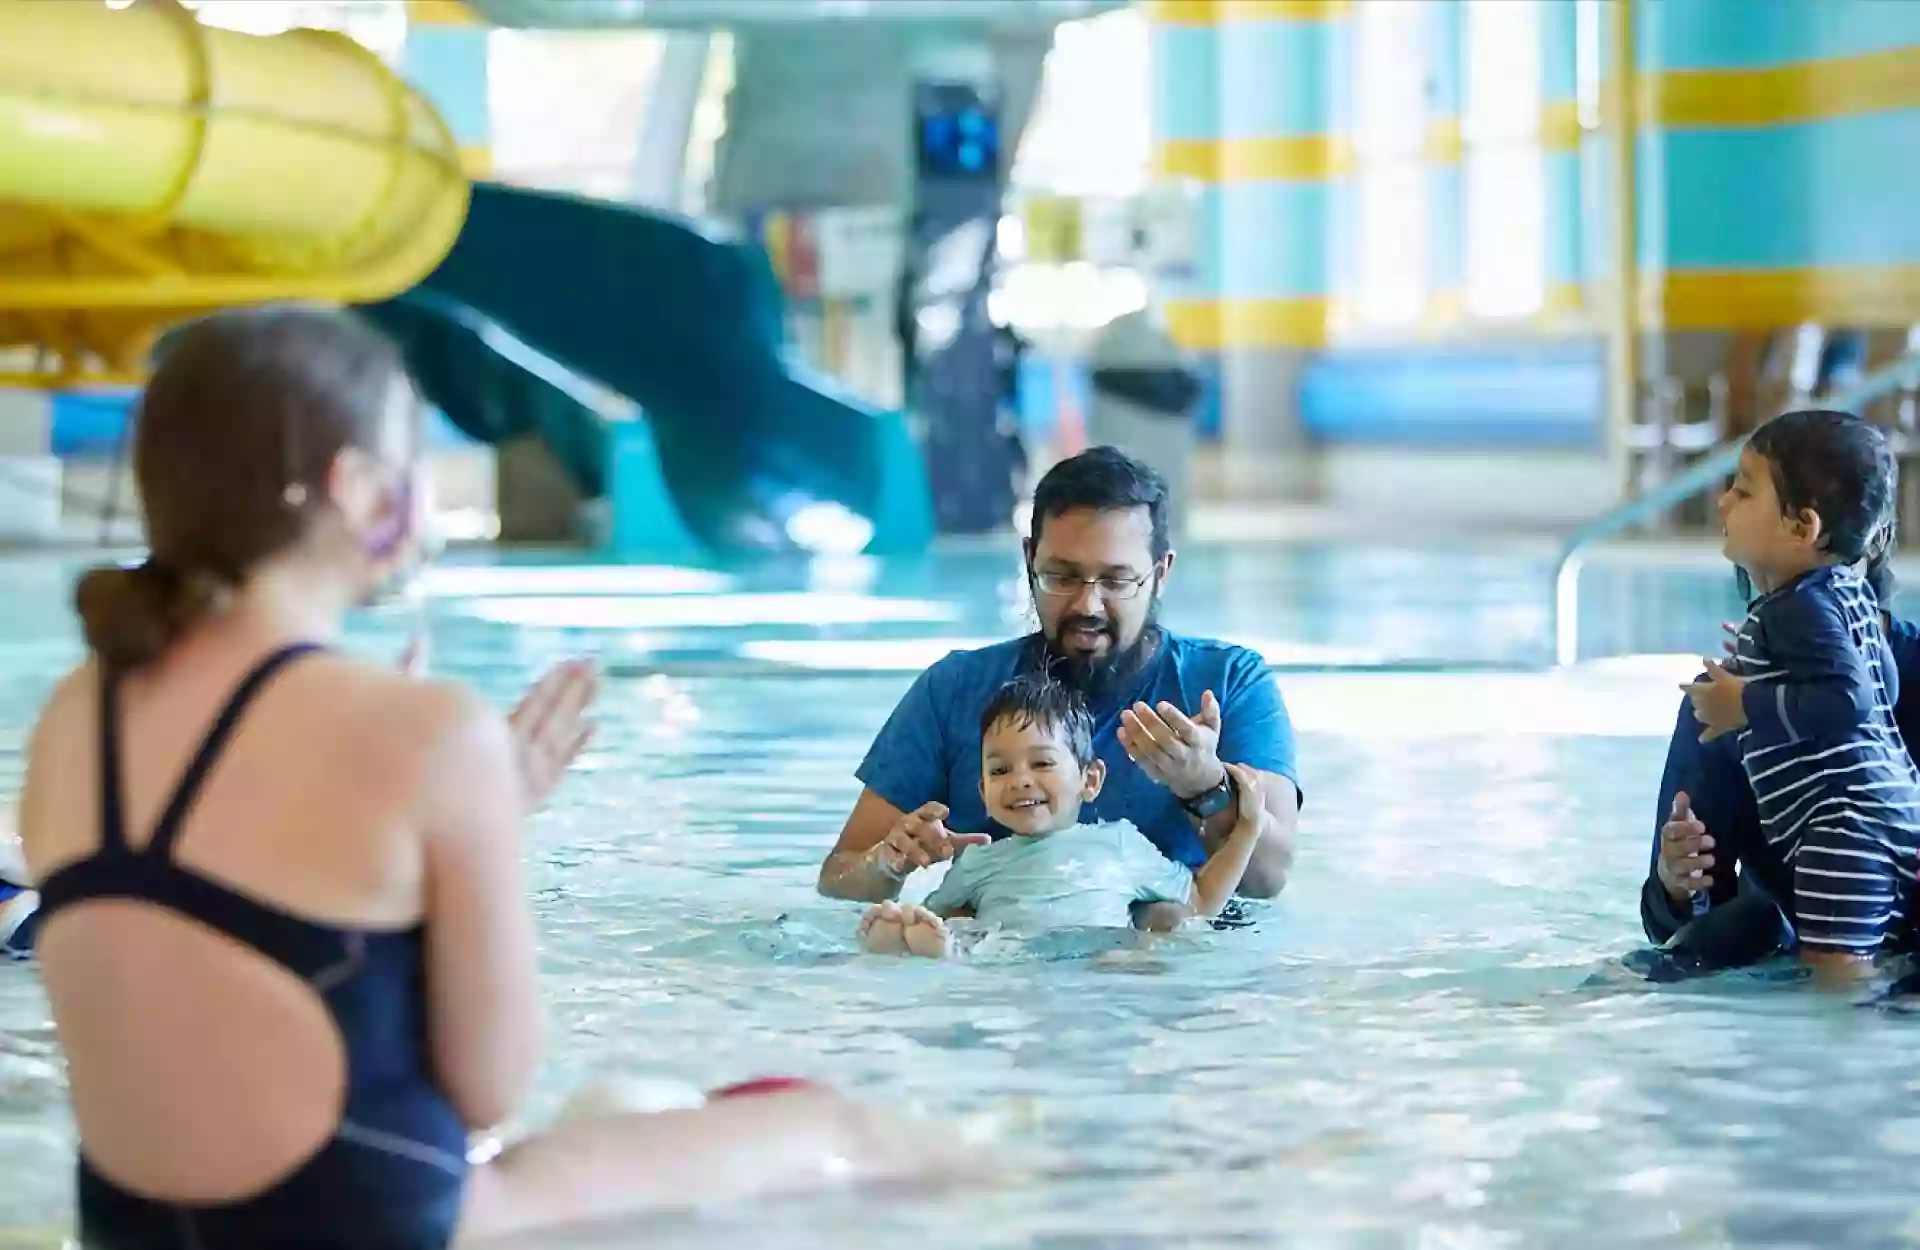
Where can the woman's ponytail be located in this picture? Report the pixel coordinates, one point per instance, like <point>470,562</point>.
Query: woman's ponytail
<point>131,615</point>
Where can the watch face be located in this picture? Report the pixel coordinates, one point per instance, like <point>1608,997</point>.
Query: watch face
<point>1213,801</point>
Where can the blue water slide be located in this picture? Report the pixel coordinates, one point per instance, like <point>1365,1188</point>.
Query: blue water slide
<point>651,358</point>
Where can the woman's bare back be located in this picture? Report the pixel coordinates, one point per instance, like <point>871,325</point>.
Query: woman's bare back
<point>202,1069</point>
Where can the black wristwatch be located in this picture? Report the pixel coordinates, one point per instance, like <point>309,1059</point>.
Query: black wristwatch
<point>1213,800</point>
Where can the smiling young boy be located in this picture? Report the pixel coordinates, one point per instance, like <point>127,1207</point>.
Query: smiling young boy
<point>1037,768</point>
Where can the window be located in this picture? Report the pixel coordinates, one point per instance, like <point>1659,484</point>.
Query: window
<point>1588,31</point>
<point>1504,168</point>
<point>1389,126</point>
<point>373,23</point>
<point>708,128</point>
<point>1092,126</point>
<point>1090,141</point>
<point>566,107</point>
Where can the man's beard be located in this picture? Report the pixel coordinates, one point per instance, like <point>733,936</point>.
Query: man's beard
<point>1095,675</point>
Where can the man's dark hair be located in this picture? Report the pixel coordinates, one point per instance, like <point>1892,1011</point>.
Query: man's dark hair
<point>1055,708</point>
<point>1842,468</point>
<point>1104,479</point>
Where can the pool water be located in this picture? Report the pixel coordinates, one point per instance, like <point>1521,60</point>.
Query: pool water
<point>1426,1042</point>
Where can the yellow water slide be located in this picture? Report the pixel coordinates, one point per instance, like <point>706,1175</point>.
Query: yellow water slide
<point>152,169</point>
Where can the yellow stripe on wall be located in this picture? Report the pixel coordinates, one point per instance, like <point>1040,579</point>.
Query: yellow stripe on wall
<point>1565,301</point>
<point>441,13</point>
<point>1284,10</point>
<point>1281,158</point>
<point>1739,299</point>
<point>1864,296</point>
<point>1560,129</point>
<point>1779,95</point>
<point>1216,325</point>
<point>1309,323</point>
<point>1300,158</point>
<point>1217,12</point>
<point>1184,12</point>
<point>1443,144</point>
<point>1444,313</point>
<point>1187,158</point>
<point>1447,319</point>
<point>1197,324</point>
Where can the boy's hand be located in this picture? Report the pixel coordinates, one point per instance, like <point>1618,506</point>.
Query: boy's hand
<point>1717,702</point>
<point>1250,812</point>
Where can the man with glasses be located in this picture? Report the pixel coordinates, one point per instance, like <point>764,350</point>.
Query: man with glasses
<point>1170,711</point>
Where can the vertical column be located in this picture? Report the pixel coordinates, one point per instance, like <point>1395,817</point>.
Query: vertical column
<point>1184,46</point>
<point>1785,190</point>
<point>33,479</point>
<point>1590,36</point>
<point>1560,143</point>
<point>1446,186</point>
<point>958,190</point>
<point>446,58</point>
<point>1627,211</point>
<point>673,99</point>
<point>1280,158</point>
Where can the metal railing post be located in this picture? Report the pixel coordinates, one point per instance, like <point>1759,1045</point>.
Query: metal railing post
<point>1903,374</point>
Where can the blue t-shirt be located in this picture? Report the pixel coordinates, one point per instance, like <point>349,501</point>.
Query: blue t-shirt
<point>929,749</point>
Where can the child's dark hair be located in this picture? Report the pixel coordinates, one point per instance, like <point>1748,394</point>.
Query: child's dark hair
<point>1054,707</point>
<point>1841,467</point>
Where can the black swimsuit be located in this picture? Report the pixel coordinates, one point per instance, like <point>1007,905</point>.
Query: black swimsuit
<point>392,1174</point>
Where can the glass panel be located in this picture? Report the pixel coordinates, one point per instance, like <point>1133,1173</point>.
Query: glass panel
<point>1389,127</point>
<point>1503,95</point>
<point>1506,230</point>
<point>1393,243</point>
<point>1092,127</point>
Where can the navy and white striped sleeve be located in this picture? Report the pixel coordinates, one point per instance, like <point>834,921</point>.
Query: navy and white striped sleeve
<point>1815,682</point>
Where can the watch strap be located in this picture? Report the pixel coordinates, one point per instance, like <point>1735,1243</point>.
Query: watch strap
<point>1213,800</point>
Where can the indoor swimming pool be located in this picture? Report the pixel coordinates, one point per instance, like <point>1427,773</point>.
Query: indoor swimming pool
<point>1425,1042</point>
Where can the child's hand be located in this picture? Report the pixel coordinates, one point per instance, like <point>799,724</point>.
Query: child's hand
<point>1717,702</point>
<point>1250,814</point>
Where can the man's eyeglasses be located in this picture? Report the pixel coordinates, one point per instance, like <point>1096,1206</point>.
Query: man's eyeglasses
<point>1063,584</point>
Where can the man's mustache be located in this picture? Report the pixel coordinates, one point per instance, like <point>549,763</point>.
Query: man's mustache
<point>1095,624</point>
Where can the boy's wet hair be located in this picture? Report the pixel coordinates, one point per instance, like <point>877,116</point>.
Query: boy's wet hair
<point>1841,467</point>
<point>1056,708</point>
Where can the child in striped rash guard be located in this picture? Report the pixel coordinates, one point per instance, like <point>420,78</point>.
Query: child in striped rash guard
<point>1811,685</point>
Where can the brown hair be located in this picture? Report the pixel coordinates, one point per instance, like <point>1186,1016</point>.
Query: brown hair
<point>234,436</point>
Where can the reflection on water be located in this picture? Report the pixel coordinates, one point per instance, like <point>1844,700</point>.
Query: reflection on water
<point>1426,1042</point>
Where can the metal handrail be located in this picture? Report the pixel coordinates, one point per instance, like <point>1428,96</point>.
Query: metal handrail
<point>1903,374</point>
